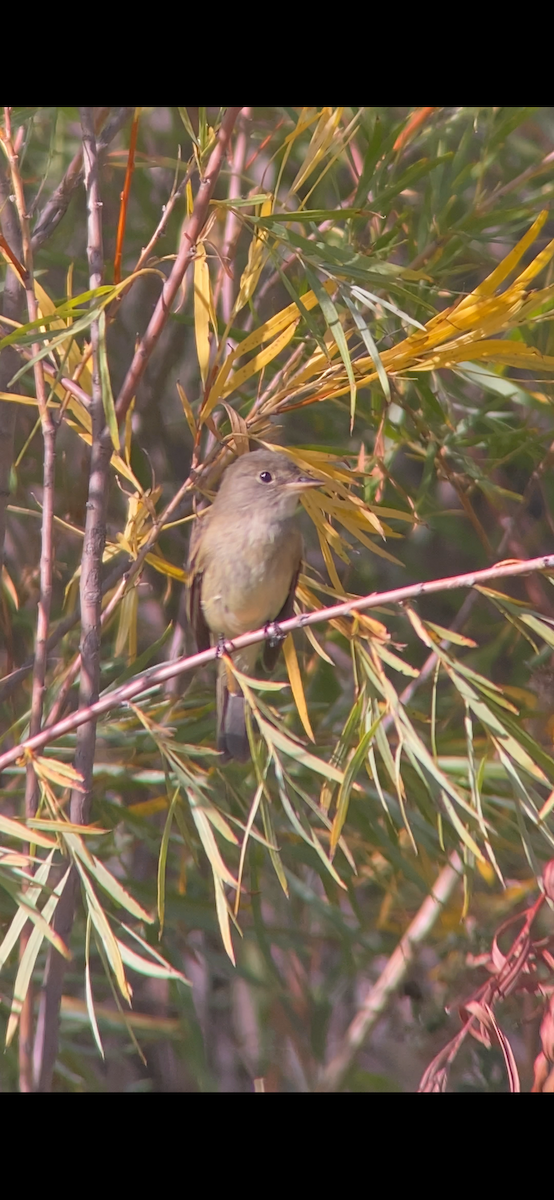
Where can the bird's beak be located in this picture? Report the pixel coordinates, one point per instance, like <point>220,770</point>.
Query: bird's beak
<point>302,483</point>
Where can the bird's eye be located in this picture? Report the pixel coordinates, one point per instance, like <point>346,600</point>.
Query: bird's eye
<point>266,477</point>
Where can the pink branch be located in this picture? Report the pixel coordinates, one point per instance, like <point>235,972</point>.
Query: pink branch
<point>49,436</point>
<point>158,675</point>
<point>184,258</point>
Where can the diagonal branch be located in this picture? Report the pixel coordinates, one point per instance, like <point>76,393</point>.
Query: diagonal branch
<point>155,676</point>
<point>56,207</point>
<point>381,992</point>
<point>182,262</point>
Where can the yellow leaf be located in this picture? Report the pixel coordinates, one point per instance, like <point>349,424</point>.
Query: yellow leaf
<point>260,360</point>
<point>255,262</point>
<point>17,830</point>
<point>202,310</point>
<point>57,772</point>
<point>321,140</point>
<point>266,331</point>
<point>501,272</point>
<point>8,584</point>
<point>291,660</point>
<point>162,565</point>
<point>191,419</point>
<point>126,640</point>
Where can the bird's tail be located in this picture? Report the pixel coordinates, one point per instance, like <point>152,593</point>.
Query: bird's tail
<point>232,738</point>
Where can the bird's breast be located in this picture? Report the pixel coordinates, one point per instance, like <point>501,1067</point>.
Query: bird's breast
<point>247,575</point>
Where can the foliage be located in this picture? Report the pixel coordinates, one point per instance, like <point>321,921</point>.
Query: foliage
<point>372,289</point>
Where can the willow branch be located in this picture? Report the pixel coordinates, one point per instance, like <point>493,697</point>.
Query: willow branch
<point>46,1042</point>
<point>46,558</point>
<point>381,992</point>
<point>49,438</point>
<point>155,676</point>
<point>56,207</point>
<point>12,308</point>
<point>184,258</point>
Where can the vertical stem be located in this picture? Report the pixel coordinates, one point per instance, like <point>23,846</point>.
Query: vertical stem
<point>12,307</point>
<point>232,223</point>
<point>46,562</point>
<point>46,1041</point>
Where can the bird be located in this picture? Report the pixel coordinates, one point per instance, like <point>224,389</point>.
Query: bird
<point>244,560</point>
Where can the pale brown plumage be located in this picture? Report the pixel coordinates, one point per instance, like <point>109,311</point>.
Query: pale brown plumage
<point>244,560</point>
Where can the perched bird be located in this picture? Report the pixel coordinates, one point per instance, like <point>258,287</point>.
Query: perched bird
<point>244,560</point>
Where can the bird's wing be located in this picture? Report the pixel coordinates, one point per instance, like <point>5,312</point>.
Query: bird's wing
<point>271,652</point>
<point>194,599</point>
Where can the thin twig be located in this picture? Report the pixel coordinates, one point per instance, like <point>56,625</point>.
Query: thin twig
<point>125,199</point>
<point>176,195</point>
<point>46,1042</point>
<point>46,561</point>
<point>184,258</point>
<point>158,675</point>
<point>49,437</point>
<point>381,992</point>
<point>56,207</point>
<point>12,307</point>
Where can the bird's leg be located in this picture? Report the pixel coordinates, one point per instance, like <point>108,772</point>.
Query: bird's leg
<point>274,633</point>
<point>221,646</point>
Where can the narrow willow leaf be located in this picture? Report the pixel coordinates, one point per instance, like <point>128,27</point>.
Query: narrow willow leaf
<point>273,853</point>
<point>145,966</point>
<point>31,895</point>
<point>397,664</point>
<point>190,417</point>
<point>449,635</point>
<point>105,934</point>
<point>251,818</point>
<point>209,843</point>
<point>162,859</point>
<point>334,324</point>
<point>370,346</point>
<point>293,670</point>
<point>308,835</point>
<point>371,301</point>
<point>202,310</point>
<point>401,794</point>
<point>107,970</point>
<point>29,957</point>
<point>223,918</point>
<point>374,776</point>
<point>107,881</point>
<point>17,830</point>
<point>350,773</point>
<point>275,738</point>
<point>88,992</point>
